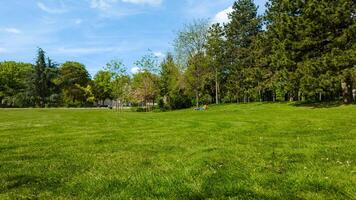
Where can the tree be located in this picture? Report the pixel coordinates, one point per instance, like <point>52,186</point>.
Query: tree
<point>312,47</point>
<point>145,83</point>
<point>215,51</point>
<point>14,84</point>
<point>40,79</point>
<point>121,83</point>
<point>241,31</point>
<point>103,85</point>
<point>73,78</point>
<point>145,88</point>
<point>196,75</point>
<point>169,77</point>
<point>191,40</point>
<point>53,89</point>
<point>148,63</point>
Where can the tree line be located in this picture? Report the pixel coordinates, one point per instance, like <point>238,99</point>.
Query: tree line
<point>296,51</point>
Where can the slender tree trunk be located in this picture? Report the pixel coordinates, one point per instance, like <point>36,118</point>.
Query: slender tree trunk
<point>197,98</point>
<point>237,97</point>
<point>346,86</point>
<point>216,87</point>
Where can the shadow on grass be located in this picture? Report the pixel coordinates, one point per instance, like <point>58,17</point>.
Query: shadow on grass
<point>320,104</point>
<point>29,181</point>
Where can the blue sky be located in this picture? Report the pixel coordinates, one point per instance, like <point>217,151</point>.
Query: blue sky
<point>94,32</point>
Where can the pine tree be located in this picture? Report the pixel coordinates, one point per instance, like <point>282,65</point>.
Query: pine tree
<point>241,31</point>
<point>40,79</point>
<point>312,47</point>
<point>283,18</point>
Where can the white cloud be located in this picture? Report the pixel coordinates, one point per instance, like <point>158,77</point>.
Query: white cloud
<point>12,30</point>
<point>50,10</point>
<point>143,2</point>
<point>135,70</point>
<point>102,4</point>
<point>222,16</point>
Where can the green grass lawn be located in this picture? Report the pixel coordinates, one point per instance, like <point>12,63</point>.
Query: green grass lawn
<point>255,151</point>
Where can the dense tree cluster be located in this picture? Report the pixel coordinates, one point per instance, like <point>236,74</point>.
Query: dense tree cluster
<point>297,51</point>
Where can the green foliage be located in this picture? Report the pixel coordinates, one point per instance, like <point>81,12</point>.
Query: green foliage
<point>311,45</point>
<point>197,75</point>
<point>171,85</point>
<point>145,88</point>
<point>73,78</point>
<point>148,63</point>
<point>103,88</point>
<point>45,73</point>
<point>241,33</point>
<point>216,53</point>
<point>14,84</point>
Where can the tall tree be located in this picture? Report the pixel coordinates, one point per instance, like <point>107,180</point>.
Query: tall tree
<point>73,78</point>
<point>103,85</point>
<point>169,77</point>
<point>121,83</point>
<point>197,75</point>
<point>145,88</point>
<point>191,40</point>
<point>215,50</point>
<point>312,47</point>
<point>40,79</point>
<point>241,31</point>
<point>145,82</point>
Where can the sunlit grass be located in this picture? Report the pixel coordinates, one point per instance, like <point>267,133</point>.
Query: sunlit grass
<point>255,151</point>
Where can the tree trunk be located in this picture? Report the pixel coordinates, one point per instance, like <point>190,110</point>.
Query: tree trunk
<point>346,86</point>
<point>197,98</point>
<point>216,87</point>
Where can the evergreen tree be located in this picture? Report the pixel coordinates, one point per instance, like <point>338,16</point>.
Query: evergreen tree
<point>241,31</point>
<point>312,47</point>
<point>40,79</point>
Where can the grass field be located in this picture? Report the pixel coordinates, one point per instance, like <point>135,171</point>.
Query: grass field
<point>255,151</point>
